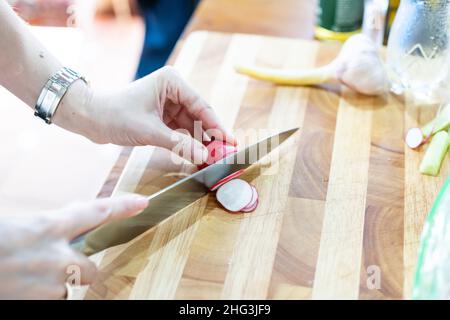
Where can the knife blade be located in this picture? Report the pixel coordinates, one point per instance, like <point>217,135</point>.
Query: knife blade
<point>176,196</point>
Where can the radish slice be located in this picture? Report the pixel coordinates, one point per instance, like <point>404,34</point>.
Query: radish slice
<point>235,195</point>
<point>252,208</point>
<point>226,179</point>
<point>254,199</point>
<point>414,138</point>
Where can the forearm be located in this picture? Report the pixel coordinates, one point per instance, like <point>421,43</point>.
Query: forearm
<point>146,112</point>
<point>25,67</point>
<point>24,63</point>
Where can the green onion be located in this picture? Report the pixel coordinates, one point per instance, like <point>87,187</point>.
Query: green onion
<point>432,160</point>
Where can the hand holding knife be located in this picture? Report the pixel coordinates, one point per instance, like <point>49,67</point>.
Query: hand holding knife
<point>177,196</point>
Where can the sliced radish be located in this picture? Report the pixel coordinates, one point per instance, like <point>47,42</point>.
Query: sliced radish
<point>235,195</point>
<point>217,150</point>
<point>414,138</point>
<point>252,208</point>
<point>226,179</point>
<point>254,199</point>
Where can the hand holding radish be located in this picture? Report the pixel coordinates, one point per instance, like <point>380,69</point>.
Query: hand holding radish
<point>156,110</point>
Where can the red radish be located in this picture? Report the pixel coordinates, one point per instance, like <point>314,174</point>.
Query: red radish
<point>254,199</point>
<point>217,150</point>
<point>228,195</point>
<point>226,179</point>
<point>235,195</point>
<point>414,138</point>
<point>252,208</point>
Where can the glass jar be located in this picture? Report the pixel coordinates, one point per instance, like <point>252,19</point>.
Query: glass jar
<point>418,49</point>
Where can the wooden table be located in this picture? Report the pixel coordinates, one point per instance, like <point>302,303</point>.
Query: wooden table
<point>341,210</point>
<point>282,18</point>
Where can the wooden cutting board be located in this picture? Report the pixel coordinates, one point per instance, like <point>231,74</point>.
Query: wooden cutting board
<point>340,212</point>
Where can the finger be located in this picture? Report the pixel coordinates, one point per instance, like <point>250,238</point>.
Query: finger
<point>181,144</point>
<point>46,291</point>
<point>78,219</point>
<point>173,125</point>
<point>176,117</point>
<point>171,109</point>
<point>197,133</point>
<point>185,121</point>
<point>201,111</point>
<point>59,263</point>
<point>80,270</point>
<point>181,93</point>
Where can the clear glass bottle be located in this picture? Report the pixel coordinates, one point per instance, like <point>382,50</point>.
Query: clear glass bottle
<point>418,49</point>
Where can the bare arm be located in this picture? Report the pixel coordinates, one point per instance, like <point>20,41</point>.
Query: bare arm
<point>143,113</point>
<point>146,112</point>
<point>25,65</point>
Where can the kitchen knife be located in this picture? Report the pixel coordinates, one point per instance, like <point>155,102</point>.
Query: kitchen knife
<point>175,197</point>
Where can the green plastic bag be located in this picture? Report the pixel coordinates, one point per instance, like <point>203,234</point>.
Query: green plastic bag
<point>432,279</point>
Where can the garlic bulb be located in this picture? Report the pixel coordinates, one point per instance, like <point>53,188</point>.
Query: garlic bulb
<point>357,66</point>
<point>360,66</point>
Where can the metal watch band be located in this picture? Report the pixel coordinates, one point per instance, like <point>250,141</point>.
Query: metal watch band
<point>53,92</point>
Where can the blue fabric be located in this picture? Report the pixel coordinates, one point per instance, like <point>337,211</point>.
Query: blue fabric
<point>164,23</point>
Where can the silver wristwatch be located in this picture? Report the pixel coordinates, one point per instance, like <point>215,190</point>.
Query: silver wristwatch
<point>53,92</point>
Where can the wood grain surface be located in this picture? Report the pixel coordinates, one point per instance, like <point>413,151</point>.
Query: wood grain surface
<point>342,204</point>
<point>282,18</point>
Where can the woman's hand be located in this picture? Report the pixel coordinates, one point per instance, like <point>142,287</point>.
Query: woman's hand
<point>35,256</point>
<point>146,112</point>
